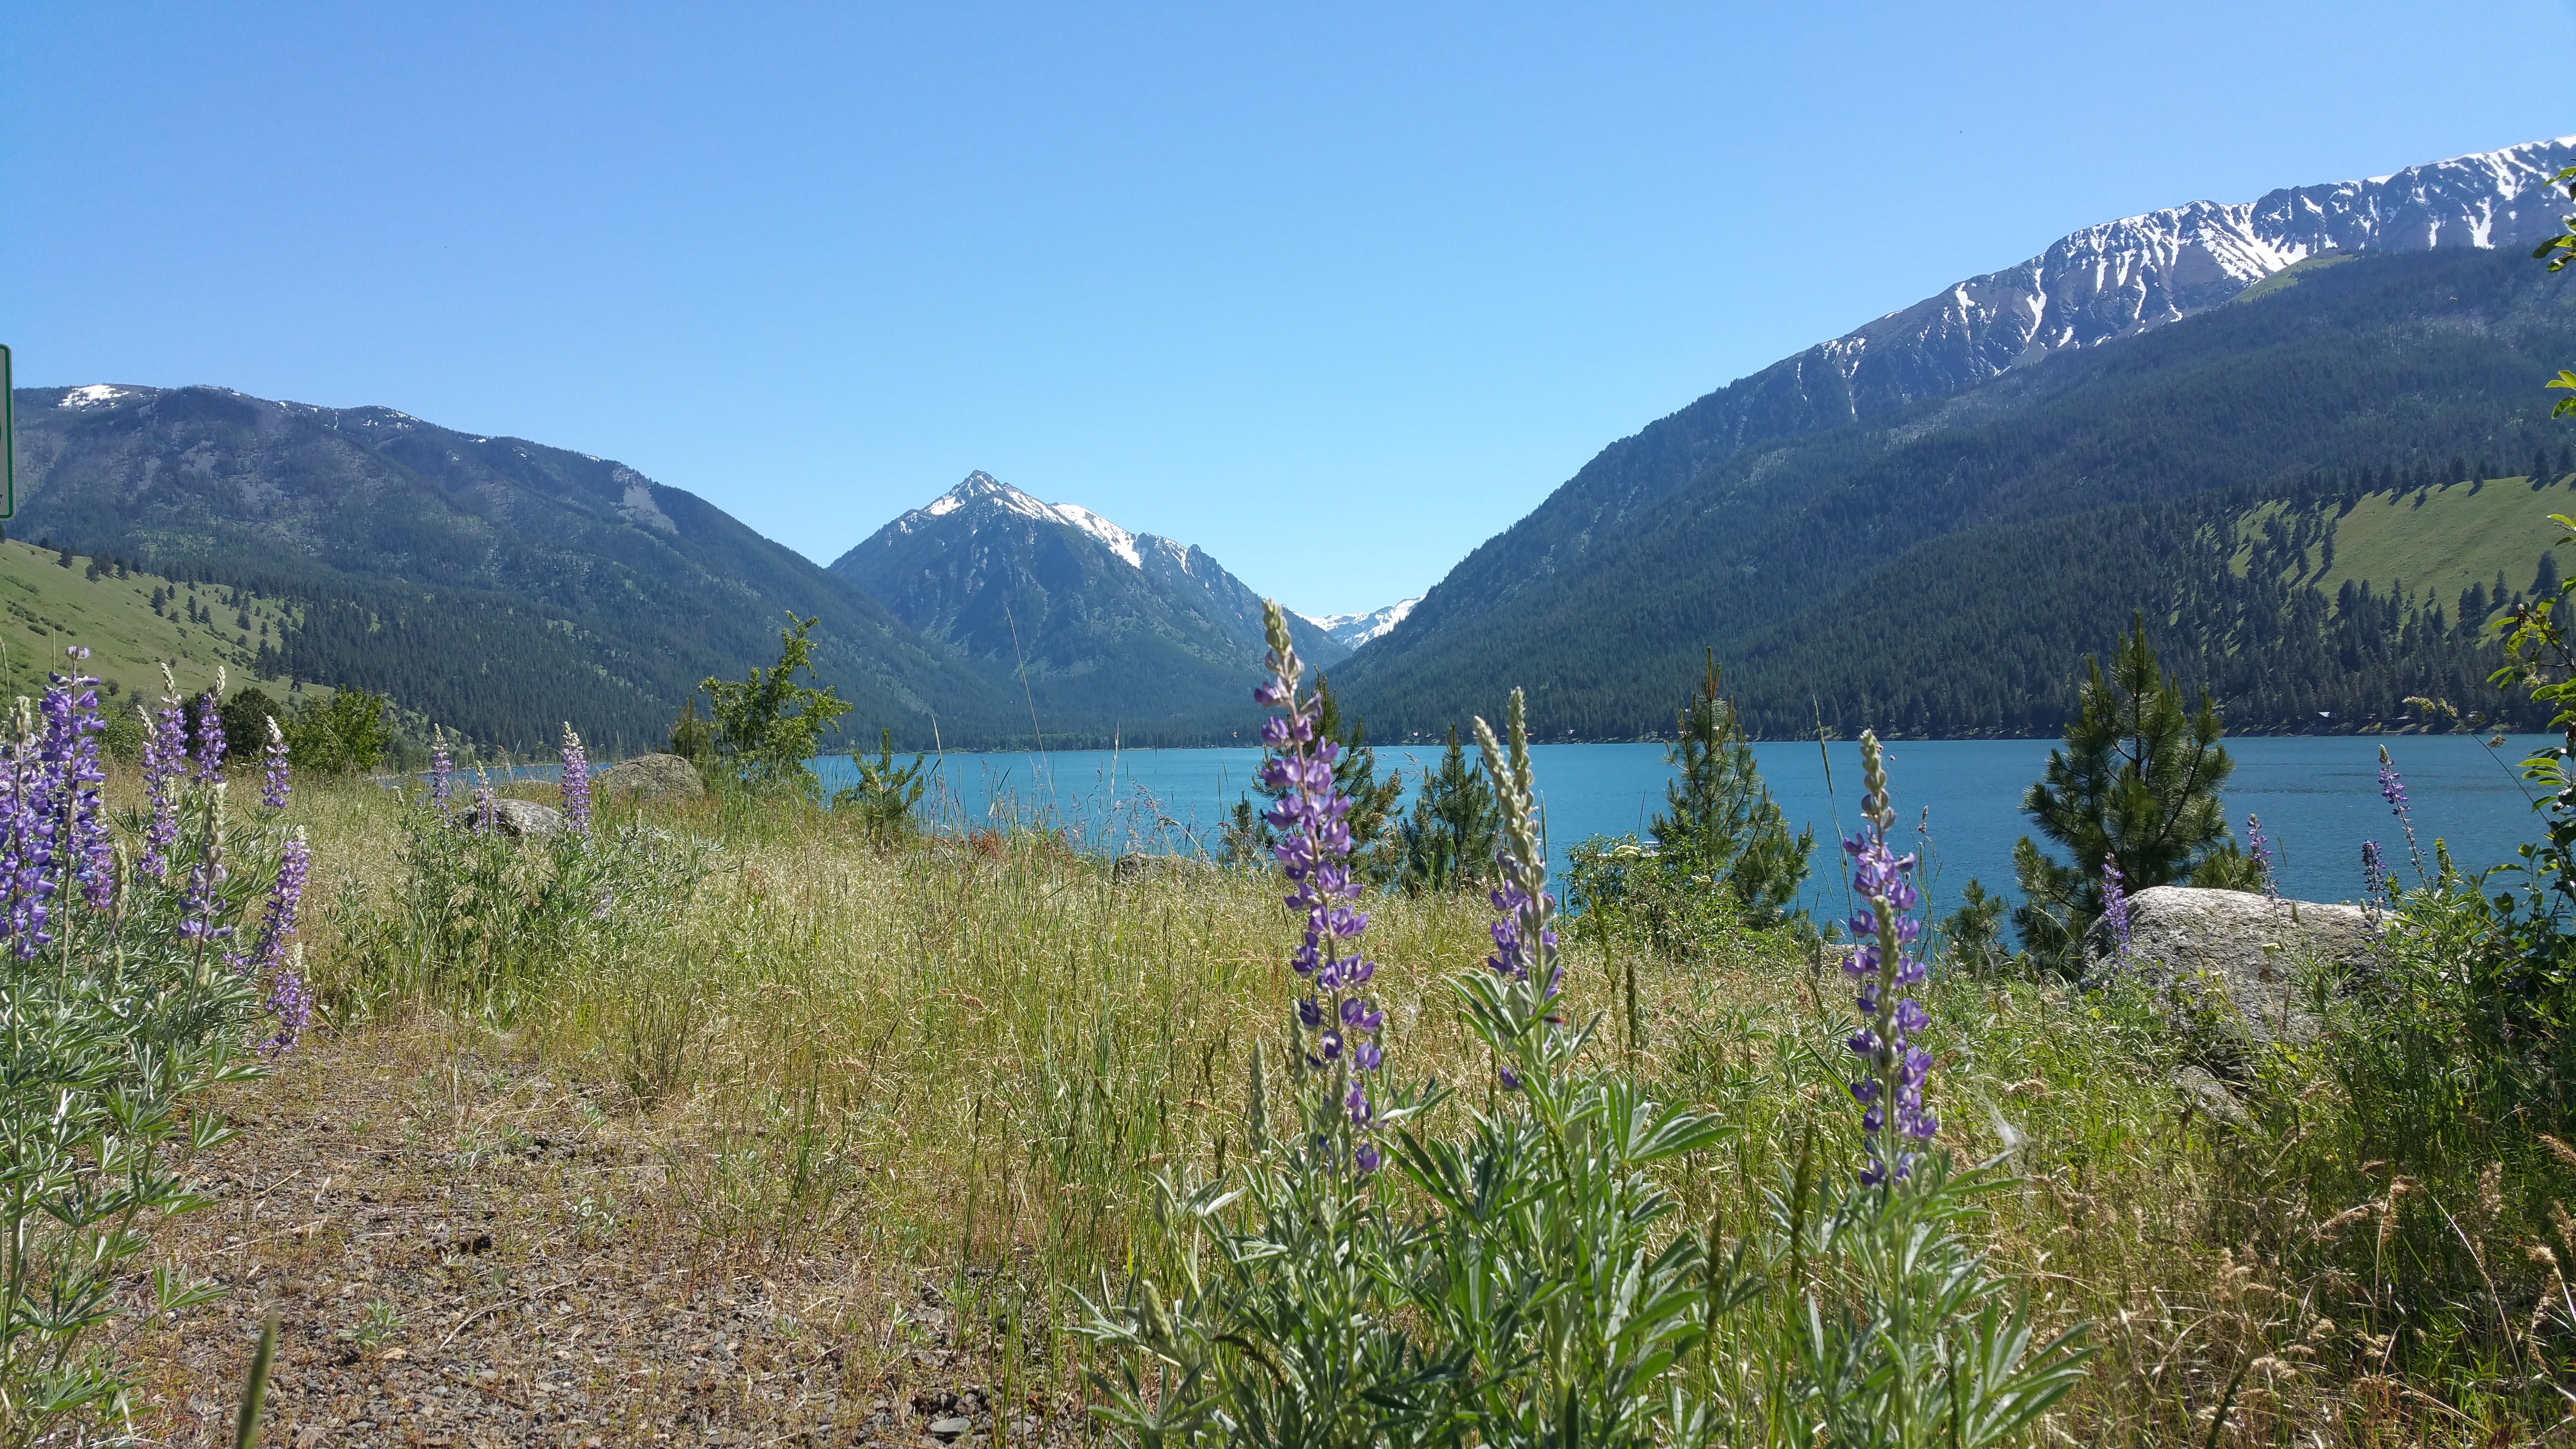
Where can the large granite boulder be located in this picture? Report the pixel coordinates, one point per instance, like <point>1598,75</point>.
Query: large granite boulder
<point>525,819</point>
<point>2239,955</point>
<point>649,780</point>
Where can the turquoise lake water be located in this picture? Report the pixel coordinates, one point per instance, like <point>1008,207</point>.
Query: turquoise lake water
<point>2318,798</point>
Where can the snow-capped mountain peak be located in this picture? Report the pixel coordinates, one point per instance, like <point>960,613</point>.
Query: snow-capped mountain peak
<point>2123,277</point>
<point>983,487</point>
<point>1354,630</point>
<point>1030,588</point>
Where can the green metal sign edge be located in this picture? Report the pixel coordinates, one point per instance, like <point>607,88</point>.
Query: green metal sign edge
<point>8,438</point>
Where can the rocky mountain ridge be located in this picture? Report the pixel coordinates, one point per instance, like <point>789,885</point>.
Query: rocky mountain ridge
<point>1099,623</point>
<point>2102,285</point>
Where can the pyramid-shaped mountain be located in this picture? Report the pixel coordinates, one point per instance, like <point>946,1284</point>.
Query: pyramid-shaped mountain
<point>1108,629</point>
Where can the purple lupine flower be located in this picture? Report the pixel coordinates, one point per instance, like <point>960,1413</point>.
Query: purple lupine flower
<point>165,762</point>
<point>201,902</point>
<point>1525,935</point>
<point>27,842</point>
<point>67,760</point>
<point>275,779</point>
<point>2115,908</point>
<point>2392,788</point>
<point>2261,849</point>
<point>2374,886</point>
<point>440,767</point>
<point>268,952</point>
<point>290,1002</point>
<point>57,838</point>
<point>1884,965</point>
<point>1314,851</point>
<point>210,734</point>
<point>576,784</point>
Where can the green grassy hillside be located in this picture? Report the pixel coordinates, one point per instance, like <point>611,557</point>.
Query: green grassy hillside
<point>2435,542</point>
<point>45,606</point>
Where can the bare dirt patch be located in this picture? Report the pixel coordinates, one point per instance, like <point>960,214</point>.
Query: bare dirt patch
<point>465,1249</point>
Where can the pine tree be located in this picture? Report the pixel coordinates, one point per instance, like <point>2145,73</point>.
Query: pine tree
<point>1355,773</point>
<point>1721,821</point>
<point>2136,781</point>
<point>1455,828</point>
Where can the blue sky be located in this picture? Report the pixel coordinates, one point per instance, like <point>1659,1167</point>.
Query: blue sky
<point>1334,291</point>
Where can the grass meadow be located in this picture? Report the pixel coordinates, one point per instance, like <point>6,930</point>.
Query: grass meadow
<point>829,1157</point>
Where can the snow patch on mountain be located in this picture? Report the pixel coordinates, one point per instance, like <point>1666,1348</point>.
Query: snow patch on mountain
<point>1120,541</point>
<point>96,394</point>
<point>1355,630</point>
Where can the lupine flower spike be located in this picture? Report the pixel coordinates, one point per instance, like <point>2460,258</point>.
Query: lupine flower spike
<point>2261,849</point>
<point>1314,850</point>
<point>203,899</point>
<point>2392,788</point>
<point>210,733</point>
<point>290,1001</point>
<point>293,865</point>
<point>275,780</point>
<point>440,768</point>
<point>1890,1089</point>
<point>2374,885</point>
<point>1525,936</point>
<point>2115,909</point>
<point>576,783</point>
<point>54,836</point>
<point>165,763</point>
<point>72,730</point>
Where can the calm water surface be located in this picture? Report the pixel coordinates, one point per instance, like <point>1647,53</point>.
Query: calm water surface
<point>2318,798</point>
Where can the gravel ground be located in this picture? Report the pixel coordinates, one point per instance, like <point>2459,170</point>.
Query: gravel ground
<point>462,1251</point>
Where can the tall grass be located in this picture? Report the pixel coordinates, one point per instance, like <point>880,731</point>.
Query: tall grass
<point>966,1056</point>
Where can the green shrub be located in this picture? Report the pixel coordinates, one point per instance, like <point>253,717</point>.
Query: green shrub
<point>482,921</point>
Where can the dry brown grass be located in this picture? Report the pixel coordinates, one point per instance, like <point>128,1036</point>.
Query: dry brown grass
<point>839,1151</point>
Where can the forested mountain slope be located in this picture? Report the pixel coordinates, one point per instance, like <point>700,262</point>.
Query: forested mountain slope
<point>2102,285</point>
<point>493,584</point>
<point>2424,365</point>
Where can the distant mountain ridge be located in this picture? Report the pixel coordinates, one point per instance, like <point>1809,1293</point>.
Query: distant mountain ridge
<point>1106,629</point>
<point>1728,519</point>
<point>2123,277</point>
<point>496,585</point>
<point>2100,285</point>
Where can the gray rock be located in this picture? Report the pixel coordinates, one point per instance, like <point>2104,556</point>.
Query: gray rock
<point>2207,1094</point>
<point>649,780</point>
<point>2240,950</point>
<point>1136,865</point>
<point>525,819</point>
<point>951,1427</point>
